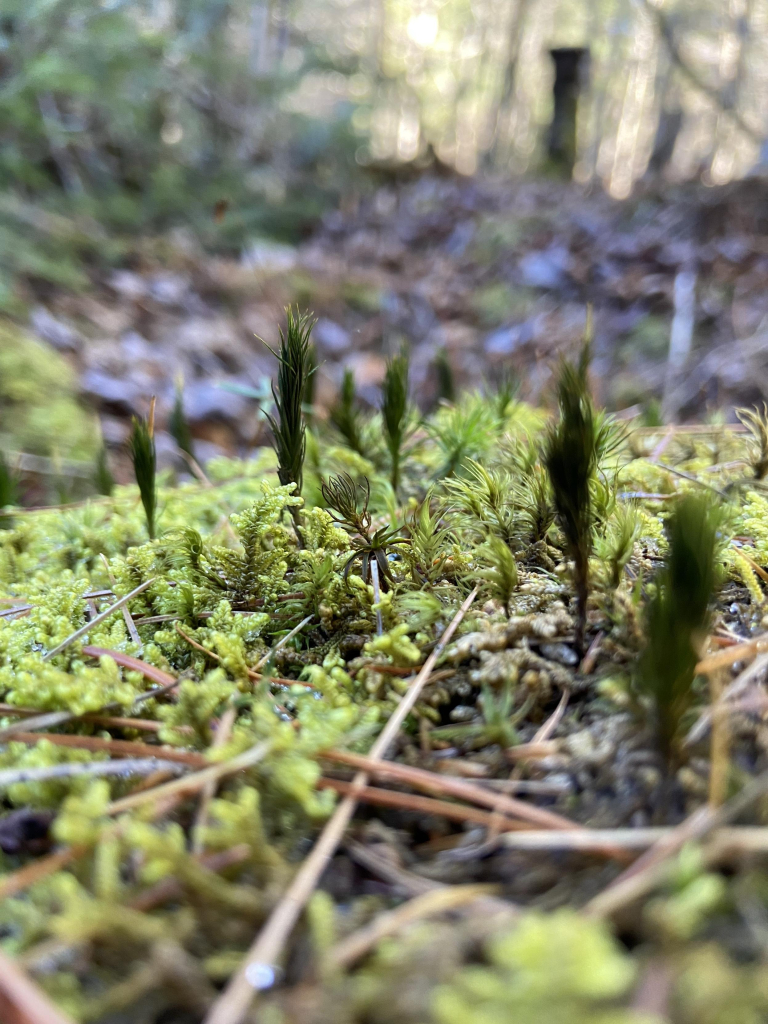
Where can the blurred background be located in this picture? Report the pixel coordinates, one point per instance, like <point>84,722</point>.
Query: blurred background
<point>463,176</point>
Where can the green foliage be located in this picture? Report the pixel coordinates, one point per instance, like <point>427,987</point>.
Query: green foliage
<point>345,415</point>
<point>39,412</point>
<point>756,422</point>
<point>570,456</point>
<point>295,366</point>
<point>500,575</point>
<point>144,458</point>
<point>615,546</point>
<point>462,432</point>
<point>485,500</point>
<point>559,968</point>
<point>677,617</point>
<point>395,412</point>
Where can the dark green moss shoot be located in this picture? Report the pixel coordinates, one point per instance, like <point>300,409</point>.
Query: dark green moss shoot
<point>178,427</point>
<point>570,456</point>
<point>394,411</point>
<point>144,458</point>
<point>103,480</point>
<point>8,492</point>
<point>446,384</point>
<point>345,415</point>
<point>677,618</point>
<point>289,429</point>
<point>294,369</point>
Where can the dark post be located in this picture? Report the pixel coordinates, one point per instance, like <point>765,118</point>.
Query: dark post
<point>571,70</point>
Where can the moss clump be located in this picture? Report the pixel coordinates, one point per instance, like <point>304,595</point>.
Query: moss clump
<point>39,412</point>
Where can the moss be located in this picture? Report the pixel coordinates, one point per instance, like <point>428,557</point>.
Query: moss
<point>39,412</point>
<point>230,582</point>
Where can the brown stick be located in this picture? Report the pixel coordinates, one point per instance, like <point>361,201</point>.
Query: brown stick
<point>259,970</point>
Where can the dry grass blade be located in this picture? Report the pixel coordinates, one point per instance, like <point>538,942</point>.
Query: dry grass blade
<point>259,969</point>
<point>130,625</point>
<point>429,904</point>
<point>99,618</point>
<point>192,783</point>
<point>734,689</point>
<point>728,657</point>
<point>21,1001</point>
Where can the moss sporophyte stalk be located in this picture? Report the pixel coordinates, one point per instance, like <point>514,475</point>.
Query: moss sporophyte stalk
<point>601,575</point>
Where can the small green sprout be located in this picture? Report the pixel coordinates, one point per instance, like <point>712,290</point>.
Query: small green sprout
<point>348,503</point>
<point>500,571</point>
<point>395,412</point>
<point>677,618</point>
<point>345,415</point>
<point>144,458</point>
<point>570,456</point>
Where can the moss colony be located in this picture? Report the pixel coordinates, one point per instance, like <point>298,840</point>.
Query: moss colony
<point>135,876</point>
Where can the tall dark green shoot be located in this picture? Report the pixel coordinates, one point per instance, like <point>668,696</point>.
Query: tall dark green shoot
<point>446,383</point>
<point>677,617</point>
<point>346,416</point>
<point>103,480</point>
<point>570,456</point>
<point>295,366</point>
<point>178,427</point>
<point>144,458</point>
<point>394,411</point>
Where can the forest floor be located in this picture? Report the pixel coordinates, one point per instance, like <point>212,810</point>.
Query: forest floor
<point>494,275</point>
<point>489,871</point>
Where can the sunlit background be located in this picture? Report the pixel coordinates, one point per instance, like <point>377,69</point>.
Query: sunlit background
<point>145,111</point>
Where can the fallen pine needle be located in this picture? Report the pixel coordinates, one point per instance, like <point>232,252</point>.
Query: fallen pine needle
<point>419,804</point>
<point>118,748</point>
<point>449,786</point>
